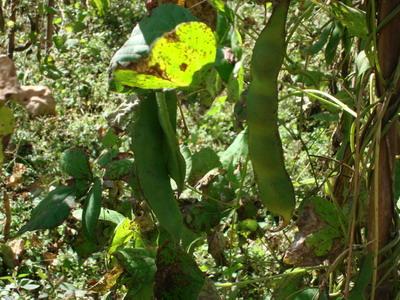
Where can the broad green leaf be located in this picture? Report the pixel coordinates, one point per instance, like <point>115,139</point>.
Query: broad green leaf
<point>236,152</point>
<point>174,59</point>
<point>287,286</point>
<point>177,269</point>
<point>307,294</point>
<point>123,233</point>
<point>107,156</point>
<point>139,263</point>
<point>110,139</point>
<point>236,83</point>
<point>106,214</point>
<point>362,63</point>
<point>148,30</point>
<point>117,169</point>
<point>75,163</point>
<point>91,211</point>
<point>323,39</point>
<point>363,279</point>
<point>52,210</point>
<point>354,19</point>
<point>7,121</point>
<point>203,161</point>
<point>141,268</point>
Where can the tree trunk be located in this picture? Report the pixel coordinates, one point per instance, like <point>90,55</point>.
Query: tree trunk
<point>388,54</point>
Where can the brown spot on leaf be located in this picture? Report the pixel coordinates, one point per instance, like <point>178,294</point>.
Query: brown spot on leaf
<point>183,67</point>
<point>172,37</point>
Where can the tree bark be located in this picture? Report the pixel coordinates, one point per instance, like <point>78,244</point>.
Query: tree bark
<point>388,55</point>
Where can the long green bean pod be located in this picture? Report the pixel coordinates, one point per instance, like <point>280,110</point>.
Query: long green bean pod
<point>265,146</point>
<point>152,170</point>
<point>167,106</point>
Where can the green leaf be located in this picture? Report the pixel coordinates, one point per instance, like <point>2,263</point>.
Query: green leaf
<point>7,121</point>
<point>177,269</point>
<point>139,263</point>
<point>107,156</point>
<point>332,46</point>
<point>110,139</point>
<point>106,214</point>
<point>52,210</point>
<point>122,235</point>
<point>289,285</point>
<point>81,187</point>
<point>362,63</point>
<point>91,211</point>
<point>323,39</point>
<point>363,279</point>
<point>148,30</point>
<point>236,83</point>
<point>236,152</point>
<point>75,163</point>
<point>308,294</point>
<point>203,161</point>
<point>354,19</point>
<point>175,59</point>
<point>117,169</point>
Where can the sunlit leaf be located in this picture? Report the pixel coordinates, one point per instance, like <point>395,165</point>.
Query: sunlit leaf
<point>52,210</point>
<point>174,59</point>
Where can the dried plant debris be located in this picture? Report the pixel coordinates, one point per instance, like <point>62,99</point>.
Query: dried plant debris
<point>9,86</point>
<point>37,100</point>
<point>319,235</point>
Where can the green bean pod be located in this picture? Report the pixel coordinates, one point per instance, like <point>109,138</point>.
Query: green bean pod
<point>152,170</point>
<point>265,146</point>
<point>167,106</point>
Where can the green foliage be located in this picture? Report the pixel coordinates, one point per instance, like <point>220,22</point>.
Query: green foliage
<point>175,269</point>
<point>91,210</point>
<point>75,163</point>
<point>173,60</point>
<point>52,210</point>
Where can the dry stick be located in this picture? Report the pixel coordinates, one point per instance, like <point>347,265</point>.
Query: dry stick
<point>376,202</point>
<point>187,132</point>
<point>7,212</point>
<point>2,24</point>
<point>50,27</point>
<point>11,35</point>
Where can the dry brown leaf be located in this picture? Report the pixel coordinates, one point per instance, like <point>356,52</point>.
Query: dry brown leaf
<point>50,259</point>
<point>16,176</point>
<point>38,100</point>
<point>9,86</point>
<point>17,247</point>
<point>108,280</point>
